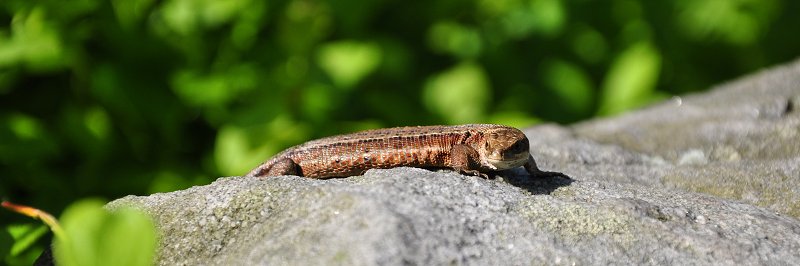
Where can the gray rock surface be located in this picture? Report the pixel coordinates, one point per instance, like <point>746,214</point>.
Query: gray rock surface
<point>711,178</point>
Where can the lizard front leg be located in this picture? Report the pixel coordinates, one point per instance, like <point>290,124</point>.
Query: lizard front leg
<point>533,170</point>
<point>466,160</point>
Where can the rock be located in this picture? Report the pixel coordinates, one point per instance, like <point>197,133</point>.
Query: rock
<point>709,178</point>
<point>739,141</point>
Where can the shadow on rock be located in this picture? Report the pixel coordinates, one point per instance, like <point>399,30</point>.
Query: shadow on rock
<point>537,185</point>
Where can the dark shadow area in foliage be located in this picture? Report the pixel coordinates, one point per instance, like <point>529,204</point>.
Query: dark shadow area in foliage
<point>46,259</point>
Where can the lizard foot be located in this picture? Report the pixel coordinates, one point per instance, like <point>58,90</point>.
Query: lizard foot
<point>473,173</point>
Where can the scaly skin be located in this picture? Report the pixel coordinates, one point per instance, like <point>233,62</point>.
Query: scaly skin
<point>474,149</point>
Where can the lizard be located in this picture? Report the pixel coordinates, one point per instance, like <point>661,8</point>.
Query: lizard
<point>474,149</point>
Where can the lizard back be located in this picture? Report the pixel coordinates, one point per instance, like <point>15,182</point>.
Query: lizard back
<point>353,154</point>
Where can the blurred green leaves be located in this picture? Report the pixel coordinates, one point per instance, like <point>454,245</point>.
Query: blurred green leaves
<point>187,17</point>
<point>518,18</point>
<point>34,42</point>
<point>216,89</point>
<point>131,12</point>
<point>347,62</point>
<point>87,234</point>
<point>95,236</point>
<point>25,127</point>
<point>571,84</point>
<point>737,22</point>
<point>109,98</point>
<point>18,243</point>
<point>589,45</point>
<point>239,148</point>
<point>24,139</point>
<point>97,122</point>
<point>631,80</point>
<point>458,95</point>
<point>455,39</point>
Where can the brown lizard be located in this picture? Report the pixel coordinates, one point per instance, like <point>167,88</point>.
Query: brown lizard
<point>475,149</point>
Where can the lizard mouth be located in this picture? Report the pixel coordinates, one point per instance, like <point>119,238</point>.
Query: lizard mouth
<point>508,163</point>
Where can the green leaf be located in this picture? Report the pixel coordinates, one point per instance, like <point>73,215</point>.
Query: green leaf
<point>571,83</point>
<point>320,101</point>
<point>590,45</point>
<point>460,94</point>
<point>737,22</point>
<point>34,42</point>
<point>25,127</point>
<point>166,181</point>
<point>96,236</point>
<point>348,62</point>
<point>239,149</point>
<point>131,12</point>
<point>514,119</point>
<point>97,122</point>
<point>18,243</point>
<point>214,89</point>
<point>233,154</point>
<point>186,16</point>
<point>25,236</point>
<point>632,79</point>
<point>518,19</point>
<point>456,39</point>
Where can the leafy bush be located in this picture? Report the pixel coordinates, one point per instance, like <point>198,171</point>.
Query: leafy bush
<point>94,236</point>
<point>109,98</point>
<point>90,235</point>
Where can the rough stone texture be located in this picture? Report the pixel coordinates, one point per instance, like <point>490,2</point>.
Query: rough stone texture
<point>702,179</point>
<point>739,141</point>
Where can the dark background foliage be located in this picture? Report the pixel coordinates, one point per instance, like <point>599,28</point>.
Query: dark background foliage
<point>110,98</point>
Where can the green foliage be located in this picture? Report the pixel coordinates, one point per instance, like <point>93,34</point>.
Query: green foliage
<point>109,98</point>
<point>458,95</point>
<point>18,243</point>
<point>348,62</point>
<point>95,236</point>
<point>631,80</point>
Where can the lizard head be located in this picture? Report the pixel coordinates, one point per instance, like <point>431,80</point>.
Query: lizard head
<point>504,148</point>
